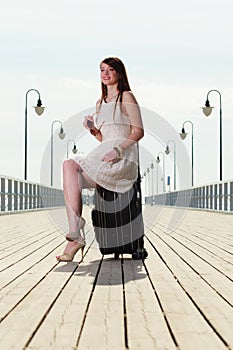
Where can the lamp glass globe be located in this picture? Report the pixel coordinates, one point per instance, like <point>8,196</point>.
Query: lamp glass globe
<point>183,135</point>
<point>39,109</point>
<point>207,110</point>
<point>62,135</point>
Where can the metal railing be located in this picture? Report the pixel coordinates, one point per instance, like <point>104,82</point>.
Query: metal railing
<point>217,196</point>
<point>19,195</point>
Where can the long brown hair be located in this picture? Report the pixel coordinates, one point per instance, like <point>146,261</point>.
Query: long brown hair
<point>123,83</point>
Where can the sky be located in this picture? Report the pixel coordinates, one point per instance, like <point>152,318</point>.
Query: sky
<point>174,53</point>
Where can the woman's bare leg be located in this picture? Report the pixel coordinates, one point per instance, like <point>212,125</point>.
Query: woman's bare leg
<point>72,185</point>
<point>74,180</point>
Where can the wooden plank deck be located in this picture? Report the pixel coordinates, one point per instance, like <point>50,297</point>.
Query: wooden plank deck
<point>181,297</point>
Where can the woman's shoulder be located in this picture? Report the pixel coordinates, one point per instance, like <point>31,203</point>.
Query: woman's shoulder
<point>128,97</point>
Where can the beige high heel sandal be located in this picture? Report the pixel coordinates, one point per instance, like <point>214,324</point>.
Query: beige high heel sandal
<point>75,235</point>
<point>70,256</point>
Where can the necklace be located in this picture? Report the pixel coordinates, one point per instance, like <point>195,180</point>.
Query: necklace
<point>112,97</point>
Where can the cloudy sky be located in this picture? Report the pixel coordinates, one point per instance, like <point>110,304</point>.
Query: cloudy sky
<point>174,52</point>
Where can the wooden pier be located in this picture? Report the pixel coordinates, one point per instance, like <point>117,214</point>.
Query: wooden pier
<point>180,297</point>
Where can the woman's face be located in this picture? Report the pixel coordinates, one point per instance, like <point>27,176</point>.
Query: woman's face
<point>108,75</point>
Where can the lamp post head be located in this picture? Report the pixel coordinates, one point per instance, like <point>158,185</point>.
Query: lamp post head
<point>167,150</point>
<point>183,134</point>
<point>38,108</point>
<point>207,109</point>
<point>61,134</point>
<point>74,150</point>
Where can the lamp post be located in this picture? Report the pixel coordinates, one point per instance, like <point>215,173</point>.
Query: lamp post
<point>152,183</point>
<point>74,150</point>
<point>167,151</point>
<point>145,182</point>
<point>183,135</point>
<point>207,111</point>
<point>148,170</point>
<point>39,110</point>
<point>61,136</point>
<point>158,161</point>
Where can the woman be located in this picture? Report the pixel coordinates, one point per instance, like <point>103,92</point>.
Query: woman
<point>113,163</point>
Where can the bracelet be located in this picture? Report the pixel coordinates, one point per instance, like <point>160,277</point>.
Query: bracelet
<point>119,150</point>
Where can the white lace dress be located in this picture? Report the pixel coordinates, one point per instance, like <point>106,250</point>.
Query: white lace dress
<point>119,176</point>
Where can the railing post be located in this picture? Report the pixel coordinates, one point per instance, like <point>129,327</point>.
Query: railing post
<point>207,197</point>
<point>30,195</point>
<point>21,196</point>
<point>38,197</point>
<point>41,196</point>
<point>3,194</point>
<point>9,195</point>
<point>220,197</point>
<point>25,195</point>
<point>192,198</point>
<point>203,197</point>
<point>198,197</point>
<point>34,196</point>
<point>16,195</point>
<point>211,196</point>
<point>231,196</point>
<point>225,198</point>
<point>215,197</point>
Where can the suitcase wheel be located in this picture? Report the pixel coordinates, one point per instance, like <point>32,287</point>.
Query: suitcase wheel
<point>140,254</point>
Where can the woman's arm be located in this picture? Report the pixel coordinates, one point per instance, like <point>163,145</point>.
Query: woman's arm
<point>132,110</point>
<point>90,126</point>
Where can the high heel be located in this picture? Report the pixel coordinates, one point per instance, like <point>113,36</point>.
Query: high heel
<point>70,256</point>
<point>75,235</point>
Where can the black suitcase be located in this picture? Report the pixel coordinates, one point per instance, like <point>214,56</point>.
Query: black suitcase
<point>118,222</point>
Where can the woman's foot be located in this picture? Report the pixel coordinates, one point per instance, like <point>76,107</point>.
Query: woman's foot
<point>70,251</point>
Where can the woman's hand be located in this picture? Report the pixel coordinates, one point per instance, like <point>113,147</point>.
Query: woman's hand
<point>111,157</point>
<point>88,122</point>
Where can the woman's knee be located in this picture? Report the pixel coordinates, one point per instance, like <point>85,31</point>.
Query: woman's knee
<point>70,165</point>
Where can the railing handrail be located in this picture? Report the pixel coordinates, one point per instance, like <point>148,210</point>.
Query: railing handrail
<point>25,181</point>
